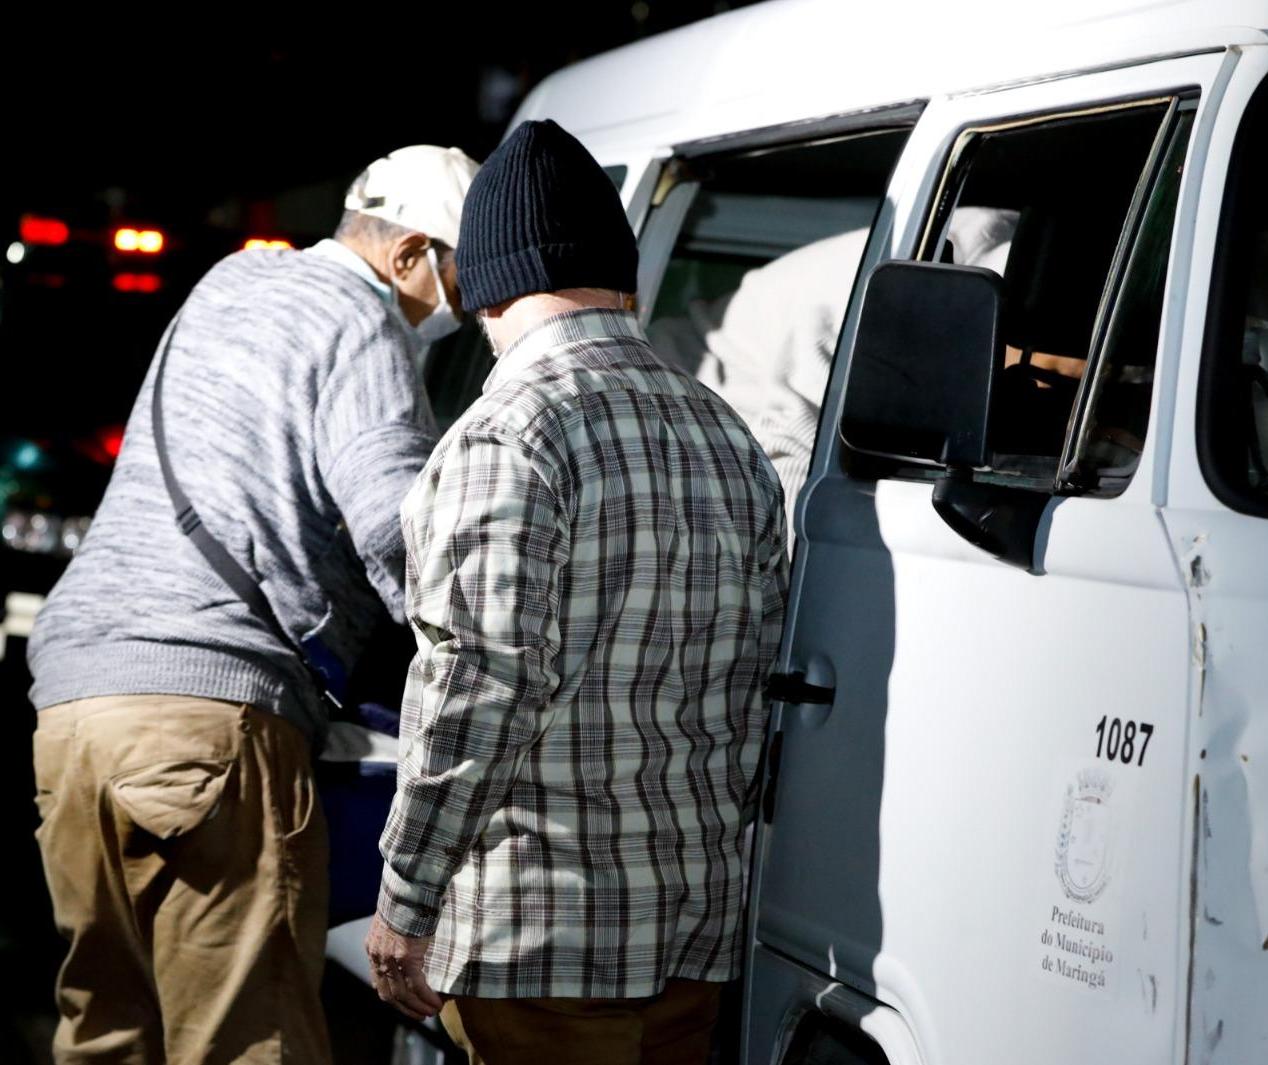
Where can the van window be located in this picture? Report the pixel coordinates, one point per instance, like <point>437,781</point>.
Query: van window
<point>1112,436</point>
<point>761,249</point>
<point>1075,213</point>
<point>1233,395</point>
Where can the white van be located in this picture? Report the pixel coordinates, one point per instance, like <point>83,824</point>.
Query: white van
<point>1016,806</point>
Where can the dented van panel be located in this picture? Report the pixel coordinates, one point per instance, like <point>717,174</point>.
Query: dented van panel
<point>1221,557</point>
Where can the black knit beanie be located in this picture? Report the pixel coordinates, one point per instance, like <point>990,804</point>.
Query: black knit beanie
<point>540,216</point>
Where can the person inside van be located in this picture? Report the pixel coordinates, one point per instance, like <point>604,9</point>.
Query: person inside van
<point>767,347</point>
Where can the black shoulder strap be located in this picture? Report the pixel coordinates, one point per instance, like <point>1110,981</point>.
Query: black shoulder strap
<point>223,564</point>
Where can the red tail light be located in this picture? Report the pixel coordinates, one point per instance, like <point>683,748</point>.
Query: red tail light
<point>35,230</point>
<point>137,282</point>
<point>103,446</point>
<point>111,439</point>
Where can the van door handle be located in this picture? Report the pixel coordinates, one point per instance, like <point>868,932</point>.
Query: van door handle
<point>793,688</point>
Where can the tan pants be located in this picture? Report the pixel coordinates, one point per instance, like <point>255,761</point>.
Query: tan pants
<point>672,1028</point>
<point>185,851</point>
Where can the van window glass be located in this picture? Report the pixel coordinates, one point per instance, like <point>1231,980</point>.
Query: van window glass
<point>617,174</point>
<point>1113,436</point>
<point>1233,396</point>
<point>1045,205</point>
<point>754,292</point>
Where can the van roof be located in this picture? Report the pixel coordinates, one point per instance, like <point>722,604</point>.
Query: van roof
<point>798,59</point>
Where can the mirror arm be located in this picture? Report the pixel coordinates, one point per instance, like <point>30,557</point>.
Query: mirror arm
<point>1002,521</point>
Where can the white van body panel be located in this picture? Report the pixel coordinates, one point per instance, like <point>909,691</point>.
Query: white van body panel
<point>1221,555</point>
<point>930,907</point>
<point>789,60</point>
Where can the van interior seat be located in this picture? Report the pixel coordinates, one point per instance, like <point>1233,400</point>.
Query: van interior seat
<point>1052,281</point>
<point>1054,277</point>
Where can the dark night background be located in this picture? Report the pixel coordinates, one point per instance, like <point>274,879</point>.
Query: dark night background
<point>212,124</point>
<point>226,113</point>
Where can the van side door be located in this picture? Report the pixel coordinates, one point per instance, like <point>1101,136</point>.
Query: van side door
<point>974,816</point>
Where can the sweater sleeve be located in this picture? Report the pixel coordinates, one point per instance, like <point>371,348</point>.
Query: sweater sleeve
<point>374,431</point>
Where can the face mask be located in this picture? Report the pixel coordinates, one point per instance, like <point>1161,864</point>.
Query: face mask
<point>442,321</point>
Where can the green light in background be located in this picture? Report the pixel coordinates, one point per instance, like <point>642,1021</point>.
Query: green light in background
<point>27,455</point>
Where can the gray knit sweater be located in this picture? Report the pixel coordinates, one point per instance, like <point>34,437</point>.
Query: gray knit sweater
<point>295,424</point>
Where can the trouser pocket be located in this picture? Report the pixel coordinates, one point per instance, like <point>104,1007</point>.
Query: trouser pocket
<point>170,799</point>
<point>164,761</point>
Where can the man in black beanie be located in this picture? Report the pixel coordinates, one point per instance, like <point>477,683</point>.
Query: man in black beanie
<point>596,580</point>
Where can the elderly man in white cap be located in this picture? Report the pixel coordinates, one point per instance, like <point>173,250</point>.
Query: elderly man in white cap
<point>399,232</point>
<point>185,662</point>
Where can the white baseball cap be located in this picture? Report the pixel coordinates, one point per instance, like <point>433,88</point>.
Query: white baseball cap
<point>420,187</point>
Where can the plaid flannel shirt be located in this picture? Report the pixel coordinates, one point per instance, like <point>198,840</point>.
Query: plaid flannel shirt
<point>596,578</point>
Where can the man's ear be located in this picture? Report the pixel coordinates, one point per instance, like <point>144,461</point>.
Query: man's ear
<point>406,253</point>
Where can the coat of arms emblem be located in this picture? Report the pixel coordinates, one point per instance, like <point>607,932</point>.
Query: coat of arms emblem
<point>1086,838</point>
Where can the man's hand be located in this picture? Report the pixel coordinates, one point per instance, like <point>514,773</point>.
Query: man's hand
<point>396,970</point>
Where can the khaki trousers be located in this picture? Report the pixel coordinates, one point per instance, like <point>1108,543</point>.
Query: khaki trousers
<point>185,852</point>
<point>672,1028</point>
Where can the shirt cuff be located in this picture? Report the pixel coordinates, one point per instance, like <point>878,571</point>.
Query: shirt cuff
<point>407,908</point>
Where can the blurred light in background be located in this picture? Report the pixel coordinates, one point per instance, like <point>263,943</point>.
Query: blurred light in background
<point>255,243</point>
<point>111,439</point>
<point>27,455</point>
<point>36,230</point>
<point>41,533</point>
<point>16,252</point>
<point>137,282</point>
<point>145,241</point>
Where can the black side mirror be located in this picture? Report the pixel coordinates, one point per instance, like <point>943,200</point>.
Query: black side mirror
<point>922,376</point>
<point>925,357</point>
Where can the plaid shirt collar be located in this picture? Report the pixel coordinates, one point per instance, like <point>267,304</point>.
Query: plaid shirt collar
<point>572,327</point>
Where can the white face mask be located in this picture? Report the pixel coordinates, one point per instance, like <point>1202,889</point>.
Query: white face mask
<point>442,321</point>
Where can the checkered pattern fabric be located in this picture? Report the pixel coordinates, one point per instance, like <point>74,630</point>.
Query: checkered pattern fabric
<point>596,577</point>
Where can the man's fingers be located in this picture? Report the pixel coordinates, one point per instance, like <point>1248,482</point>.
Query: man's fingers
<point>390,987</point>
<point>396,971</point>
<point>410,995</point>
<point>404,999</point>
<point>423,991</point>
<point>378,980</point>
<point>415,996</point>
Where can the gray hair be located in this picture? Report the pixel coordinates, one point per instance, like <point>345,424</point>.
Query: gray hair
<point>366,228</point>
